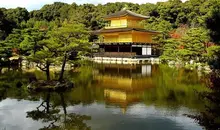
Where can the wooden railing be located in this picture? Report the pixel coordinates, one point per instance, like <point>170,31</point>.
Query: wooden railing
<point>108,26</point>
<point>130,25</point>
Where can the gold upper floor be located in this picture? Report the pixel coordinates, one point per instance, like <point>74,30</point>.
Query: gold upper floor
<point>124,22</point>
<point>125,19</point>
<point>125,26</point>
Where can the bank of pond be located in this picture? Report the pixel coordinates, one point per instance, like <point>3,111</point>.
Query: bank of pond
<point>110,96</point>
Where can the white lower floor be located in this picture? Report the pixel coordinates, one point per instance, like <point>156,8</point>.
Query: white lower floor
<point>125,60</point>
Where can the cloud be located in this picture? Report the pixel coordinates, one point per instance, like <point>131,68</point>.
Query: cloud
<point>13,115</point>
<point>37,4</point>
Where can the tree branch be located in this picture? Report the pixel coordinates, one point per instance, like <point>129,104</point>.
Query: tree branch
<point>43,69</point>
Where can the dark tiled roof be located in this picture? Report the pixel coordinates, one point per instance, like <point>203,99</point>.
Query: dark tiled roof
<point>122,30</point>
<point>125,13</point>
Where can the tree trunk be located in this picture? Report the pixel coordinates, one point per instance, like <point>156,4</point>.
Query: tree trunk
<point>35,48</point>
<point>20,63</point>
<point>48,70</point>
<point>63,67</point>
<point>48,102</point>
<point>63,105</point>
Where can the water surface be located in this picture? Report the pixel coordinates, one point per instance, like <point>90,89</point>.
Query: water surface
<point>105,97</point>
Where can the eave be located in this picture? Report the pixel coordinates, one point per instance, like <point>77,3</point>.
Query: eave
<point>116,30</point>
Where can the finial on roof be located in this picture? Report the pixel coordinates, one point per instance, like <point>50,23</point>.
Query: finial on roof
<point>126,7</point>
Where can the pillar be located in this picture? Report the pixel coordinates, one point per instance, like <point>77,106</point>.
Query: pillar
<point>149,50</point>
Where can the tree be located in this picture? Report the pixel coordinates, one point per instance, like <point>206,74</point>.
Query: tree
<point>212,22</point>
<point>69,38</point>
<point>169,10</point>
<point>37,46</point>
<point>17,15</point>
<point>14,39</point>
<point>170,50</point>
<point>159,25</point>
<point>6,25</point>
<point>31,37</point>
<point>45,55</point>
<point>189,46</point>
<point>193,44</point>
<point>5,53</point>
<point>213,53</point>
<point>21,28</point>
<point>12,43</point>
<point>1,24</point>
<point>49,12</point>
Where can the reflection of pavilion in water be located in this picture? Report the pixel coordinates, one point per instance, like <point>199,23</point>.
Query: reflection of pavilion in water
<point>124,85</point>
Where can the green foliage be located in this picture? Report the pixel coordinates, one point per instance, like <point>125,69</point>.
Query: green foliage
<point>193,44</point>
<point>213,56</point>
<point>212,21</point>
<point>171,13</point>
<point>24,30</point>
<point>44,54</point>
<point>5,53</point>
<point>159,25</point>
<point>70,37</point>
<point>170,50</point>
<point>57,47</point>
<point>213,51</point>
<point>10,19</point>
<point>17,15</point>
<point>14,39</point>
<point>193,13</point>
<point>31,36</point>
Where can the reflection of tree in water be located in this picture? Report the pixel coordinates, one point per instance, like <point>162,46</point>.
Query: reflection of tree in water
<point>13,83</point>
<point>210,118</point>
<point>51,113</point>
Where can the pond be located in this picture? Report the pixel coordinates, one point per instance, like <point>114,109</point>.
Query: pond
<point>105,97</point>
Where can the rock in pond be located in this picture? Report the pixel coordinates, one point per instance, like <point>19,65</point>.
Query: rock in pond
<point>50,85</point>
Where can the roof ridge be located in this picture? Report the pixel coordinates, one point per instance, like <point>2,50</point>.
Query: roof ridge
<point>124,13</point>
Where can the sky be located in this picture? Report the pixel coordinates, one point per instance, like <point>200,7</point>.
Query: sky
<point>37,4</point>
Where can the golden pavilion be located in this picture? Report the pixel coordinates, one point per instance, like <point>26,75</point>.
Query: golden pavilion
<point>125,37</point>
